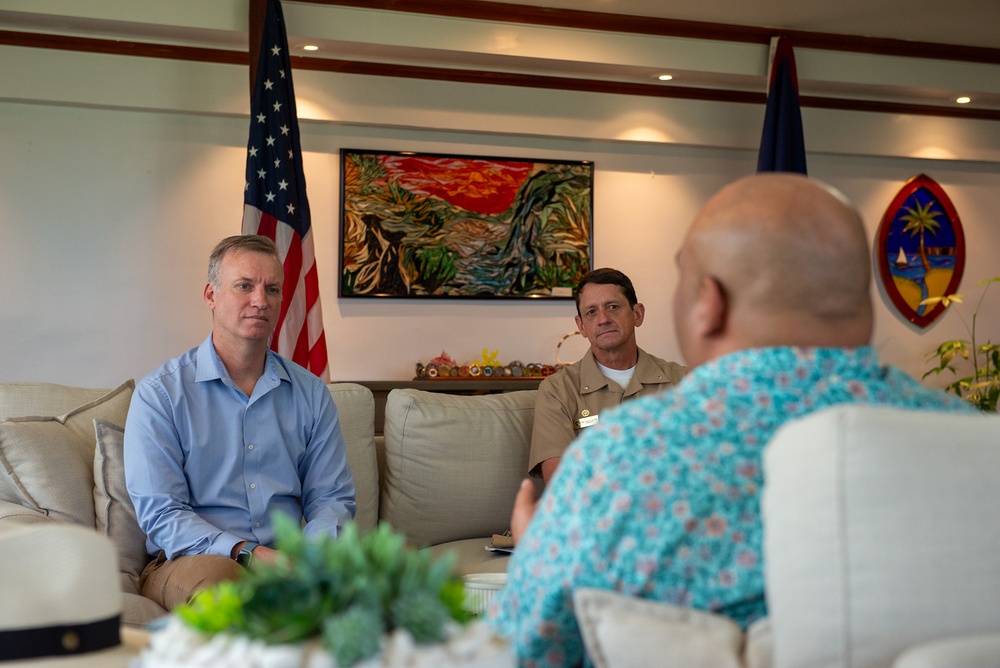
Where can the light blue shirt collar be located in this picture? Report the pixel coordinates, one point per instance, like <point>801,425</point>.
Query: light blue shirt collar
<point>211,367</point>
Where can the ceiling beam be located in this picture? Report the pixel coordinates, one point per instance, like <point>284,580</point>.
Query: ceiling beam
<point>177,52</point>
<point>486,10</point>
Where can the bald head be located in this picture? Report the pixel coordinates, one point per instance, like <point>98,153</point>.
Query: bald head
<point>788,257</point>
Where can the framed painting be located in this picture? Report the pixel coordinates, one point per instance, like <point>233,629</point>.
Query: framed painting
<point>425,225</point>
<point>920,250</point>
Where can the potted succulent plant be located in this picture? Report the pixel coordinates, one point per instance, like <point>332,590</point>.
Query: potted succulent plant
<point>977,361</point>
<point>332,602</point>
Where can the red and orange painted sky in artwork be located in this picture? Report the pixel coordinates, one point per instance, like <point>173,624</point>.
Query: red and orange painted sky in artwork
<point>483,186</point>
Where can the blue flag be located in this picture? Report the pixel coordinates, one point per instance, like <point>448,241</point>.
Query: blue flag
<point>782,148</point>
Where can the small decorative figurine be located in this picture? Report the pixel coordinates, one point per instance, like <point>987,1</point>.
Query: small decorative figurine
<point>444,358</point>
<point>489,358</point>
<point>485,368</point>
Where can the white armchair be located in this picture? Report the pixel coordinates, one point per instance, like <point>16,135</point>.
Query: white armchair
<point>882,539</point>
<point>882,550</point>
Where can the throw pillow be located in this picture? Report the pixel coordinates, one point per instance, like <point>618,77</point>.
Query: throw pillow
<point>48,462</point>
<point>15,512</point>
<point>453,464</point>
<point>115,513</point>
<point>623,631</point>
<point>356,413</point>
<point>46,469</point>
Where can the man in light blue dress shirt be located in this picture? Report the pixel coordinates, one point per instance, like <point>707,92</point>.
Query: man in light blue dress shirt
<point>221,438</point>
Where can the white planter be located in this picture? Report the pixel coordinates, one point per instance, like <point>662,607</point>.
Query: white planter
<point>180,646</point>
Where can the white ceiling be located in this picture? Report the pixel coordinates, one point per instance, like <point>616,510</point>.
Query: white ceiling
<point>414,39</point>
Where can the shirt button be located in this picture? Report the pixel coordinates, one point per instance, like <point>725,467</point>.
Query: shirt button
<point>253,485</point>
<point>586,387</point>
<point>257,525</point>
<point>250,447</point>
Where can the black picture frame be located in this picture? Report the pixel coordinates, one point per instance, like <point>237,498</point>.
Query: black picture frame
<point>446,226</point>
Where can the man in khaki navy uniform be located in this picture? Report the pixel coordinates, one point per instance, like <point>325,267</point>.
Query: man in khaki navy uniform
<point>613,370</point>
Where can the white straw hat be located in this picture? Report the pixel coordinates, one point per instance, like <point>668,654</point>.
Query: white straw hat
<point>60,599</point>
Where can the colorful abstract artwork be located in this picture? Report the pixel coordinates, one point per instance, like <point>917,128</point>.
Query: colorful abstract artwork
<point>450,226</point>
<point>920,250</point>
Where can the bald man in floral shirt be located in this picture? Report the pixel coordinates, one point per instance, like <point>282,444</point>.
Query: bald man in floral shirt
<point>661,500</point>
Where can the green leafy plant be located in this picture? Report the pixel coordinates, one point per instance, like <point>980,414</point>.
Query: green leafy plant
<point>347,591</point>
<point>981,388</point>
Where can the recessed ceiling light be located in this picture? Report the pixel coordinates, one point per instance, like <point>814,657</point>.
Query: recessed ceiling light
<point>665,77</point>
<point>310,47</point>
<point>964,100</point>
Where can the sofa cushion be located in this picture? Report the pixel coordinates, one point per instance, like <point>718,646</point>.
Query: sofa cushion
<point>972,651</point>
<point>471,556</point>
<point>880,531</point>
<point>758,645</point>
<point>115,514</point>
<point>453,464</point>
<point>356,414</point>
<point>138,611</point>
<point>623,631</point>
<point>48,462</point>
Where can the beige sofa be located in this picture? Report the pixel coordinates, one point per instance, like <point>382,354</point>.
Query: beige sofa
<point>881,536</point>
<point>445,474</point>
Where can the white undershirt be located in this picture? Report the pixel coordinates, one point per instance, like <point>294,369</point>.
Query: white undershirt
<point>619,376</point>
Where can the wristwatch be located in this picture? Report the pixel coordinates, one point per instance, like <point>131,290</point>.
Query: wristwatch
<point>245,555</point>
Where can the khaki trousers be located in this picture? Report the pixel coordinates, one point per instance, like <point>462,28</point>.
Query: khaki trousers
<point>170,582</point>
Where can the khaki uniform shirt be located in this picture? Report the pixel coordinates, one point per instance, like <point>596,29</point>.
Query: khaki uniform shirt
<point>572,399</point>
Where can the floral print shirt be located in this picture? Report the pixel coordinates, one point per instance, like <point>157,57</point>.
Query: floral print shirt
<point>661,499</point>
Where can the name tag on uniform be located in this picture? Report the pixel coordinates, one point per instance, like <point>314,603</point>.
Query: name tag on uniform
<point>588,421</point>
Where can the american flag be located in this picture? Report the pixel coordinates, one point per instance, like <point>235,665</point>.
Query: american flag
<point>782,146</point>
<point>275,203</point>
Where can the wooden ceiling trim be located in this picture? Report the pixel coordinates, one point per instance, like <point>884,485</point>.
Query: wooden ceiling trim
<point>487,10</point>
<point>176,52</point>
<point>122,47</point>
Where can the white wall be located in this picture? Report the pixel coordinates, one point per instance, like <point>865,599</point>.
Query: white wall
<point>118,175</point>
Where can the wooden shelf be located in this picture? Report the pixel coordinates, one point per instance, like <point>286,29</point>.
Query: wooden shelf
<point>455,385</point>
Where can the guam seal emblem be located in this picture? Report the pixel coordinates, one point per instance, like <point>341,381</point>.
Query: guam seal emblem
<point>920,250</point>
